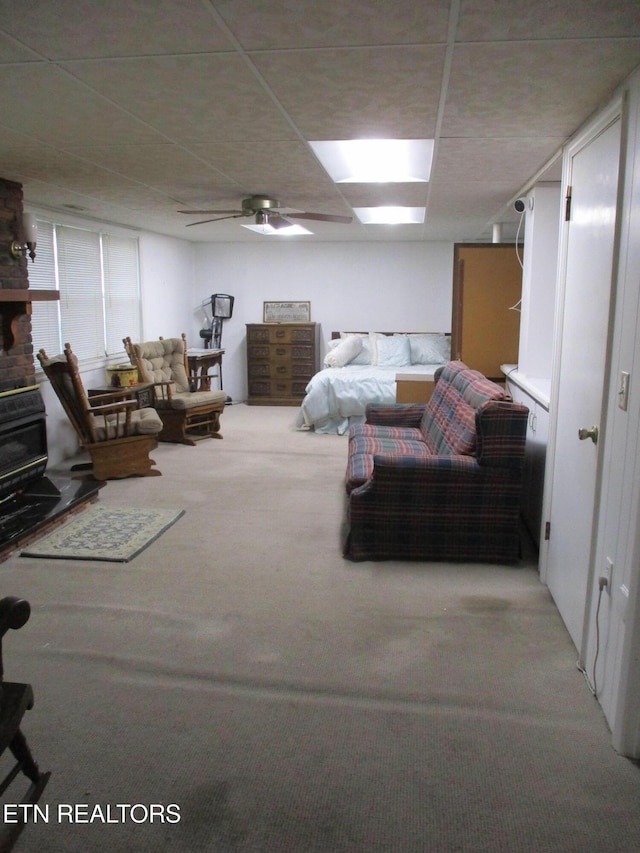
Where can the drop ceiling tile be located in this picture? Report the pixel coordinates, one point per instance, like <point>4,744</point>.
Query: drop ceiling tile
<point>349,94</point>
<point>473,200</point>
<point>375,195</point>
<point>165,167</point>
<point>189,98</point>
<point>260,24</point>
<point>462,161</point>
<point>115,203</point>
<point>13,51</point>
<point>505,89</point>
<point>77,28</point>
<point>499,20</point>
<point>288,171</point>
<point>44,103</point>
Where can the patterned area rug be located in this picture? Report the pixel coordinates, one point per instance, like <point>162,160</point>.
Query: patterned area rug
<point>116,535</point>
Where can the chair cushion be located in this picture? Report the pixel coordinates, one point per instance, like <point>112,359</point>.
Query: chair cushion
<point>163,361</point>
<point>363,448</point>
<point>143,422</point>
<point>193,400</point>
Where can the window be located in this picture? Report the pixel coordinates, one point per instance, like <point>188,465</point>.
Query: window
<point>97,276</point>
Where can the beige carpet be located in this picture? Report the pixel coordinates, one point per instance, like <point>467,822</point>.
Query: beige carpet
<point>285,699</point>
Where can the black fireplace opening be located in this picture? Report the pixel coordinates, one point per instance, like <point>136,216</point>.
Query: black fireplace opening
<point>30,501</point>
<point>23,439</point>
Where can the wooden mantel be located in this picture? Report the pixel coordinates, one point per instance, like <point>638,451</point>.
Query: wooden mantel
<point>15,302</point>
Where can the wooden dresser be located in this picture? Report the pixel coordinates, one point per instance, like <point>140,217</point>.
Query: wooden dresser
<point>281,359</point>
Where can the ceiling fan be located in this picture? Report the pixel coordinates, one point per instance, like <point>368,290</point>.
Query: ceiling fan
<point>265,210</point>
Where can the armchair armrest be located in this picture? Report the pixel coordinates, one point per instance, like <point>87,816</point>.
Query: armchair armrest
<point>122,410</point>
<point>395,414</point>
<point>163,390</point>
<point>115,408</point>
<point>123,394</point>
<point>407,474</point>
<point>501,432</point>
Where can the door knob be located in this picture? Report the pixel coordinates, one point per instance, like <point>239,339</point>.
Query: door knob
<point>588,433</point>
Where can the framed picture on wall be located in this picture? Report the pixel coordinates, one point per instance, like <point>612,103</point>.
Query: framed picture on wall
<point>286,312</point>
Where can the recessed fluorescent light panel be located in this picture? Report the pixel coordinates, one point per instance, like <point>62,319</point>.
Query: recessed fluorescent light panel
<point>270,231</point>
<point>390,215</point>
<point>365,161</point>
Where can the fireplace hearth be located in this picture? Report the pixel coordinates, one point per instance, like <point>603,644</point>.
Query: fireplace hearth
<point>31,502</point>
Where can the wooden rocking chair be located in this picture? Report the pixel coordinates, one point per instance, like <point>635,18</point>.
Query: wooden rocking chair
<point>15,699</point>
<point>188,408</point>
<point>117,435</point>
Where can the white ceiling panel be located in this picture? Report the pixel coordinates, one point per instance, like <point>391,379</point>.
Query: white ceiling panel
<point>388,92</point>
<point>523,20</point>
<point>523,88</point>
<point>134,109</point>
<point>263,24</point>
<point>60,29</point>
<point>194,98</point>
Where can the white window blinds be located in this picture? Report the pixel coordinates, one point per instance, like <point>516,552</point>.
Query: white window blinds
<point>122,291</point>
<point>45,316</point>
<point>97,276</point>
<point>80,279</point>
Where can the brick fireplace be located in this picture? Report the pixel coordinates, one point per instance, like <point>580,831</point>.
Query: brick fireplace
<point>16,356</point>
<point>30,501</point>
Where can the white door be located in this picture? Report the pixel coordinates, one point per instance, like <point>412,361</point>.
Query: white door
<point>589,245</point>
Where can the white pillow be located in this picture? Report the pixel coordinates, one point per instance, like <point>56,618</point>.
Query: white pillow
<point>345,350</point>
<point>430,348</point>
<point>367,355</point>
<point>393,350</point>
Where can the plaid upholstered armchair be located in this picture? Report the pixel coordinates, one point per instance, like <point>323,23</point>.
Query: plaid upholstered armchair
<point>439,481</point>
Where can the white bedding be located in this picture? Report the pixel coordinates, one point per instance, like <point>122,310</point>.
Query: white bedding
<point>336,397</point>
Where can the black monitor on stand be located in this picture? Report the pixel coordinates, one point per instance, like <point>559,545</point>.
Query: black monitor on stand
<point>221,309</point>
<point>221,306</point>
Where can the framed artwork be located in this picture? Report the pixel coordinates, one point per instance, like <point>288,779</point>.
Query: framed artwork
<point>287,312</point>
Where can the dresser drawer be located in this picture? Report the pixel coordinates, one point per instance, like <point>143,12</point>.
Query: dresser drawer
<point>281,352</point>
<point>275,333</point>
<point>277,389</point>
<point>280,370</point>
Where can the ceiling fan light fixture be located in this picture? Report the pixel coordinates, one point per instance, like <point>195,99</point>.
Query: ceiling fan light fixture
<point>365,161</point>
<point>390,215</point>
<point>268,230</point>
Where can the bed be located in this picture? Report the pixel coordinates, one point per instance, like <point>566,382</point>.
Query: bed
<point>361,368</point>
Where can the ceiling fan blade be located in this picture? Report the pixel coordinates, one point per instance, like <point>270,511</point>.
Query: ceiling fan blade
<point>209,211</point>
<point>235,215</point>
<point>321,217</point>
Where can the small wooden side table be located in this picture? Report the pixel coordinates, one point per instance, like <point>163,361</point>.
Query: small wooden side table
<point>200,361</point>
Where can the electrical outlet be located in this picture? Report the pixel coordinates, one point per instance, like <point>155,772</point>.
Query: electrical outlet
<point>607,571</point>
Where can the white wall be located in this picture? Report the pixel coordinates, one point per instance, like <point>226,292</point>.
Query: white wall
<point>166,283</point>
<point>542,231</point>
<point>351,286</point>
